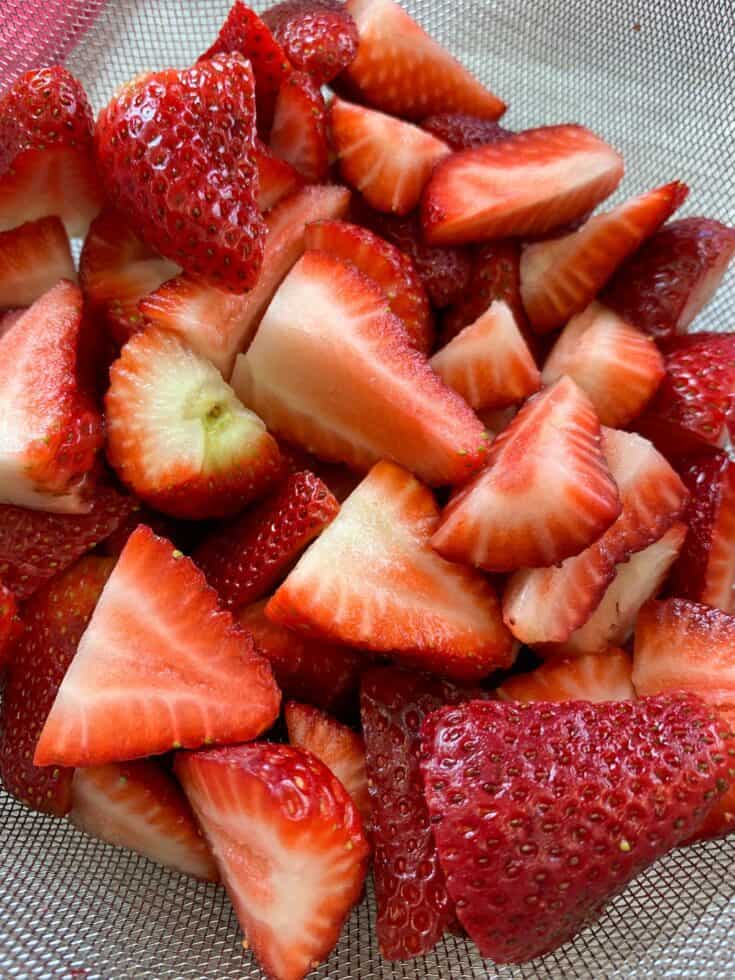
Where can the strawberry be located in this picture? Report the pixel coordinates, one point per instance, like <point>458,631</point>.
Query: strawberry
<point>158,667</point>
<point>46,156</point>
<point>405,600</point>
<point>340,480</point>
<point>560,806</point>
<point>694,403</point>
<point>340,749</point>
<point>299,133</point>
<point>489,362</point>
<point>50,431</point>
<point>594,677</point>
<point>276,178</point>
<point>245,558</point>
<point>177,434</point>
<point>400,69</point>
<point>33,257</point>
<point>665,284</point>
<point>280,825</point>
<point>615,364</point>
<point>522,186</point>
<point>217,324</point>
<point>329,321</point>
<point>138,805</point>
<point>53,623</point>
<point>194,129</point>
<point>561,276</point>
<point>462,131</point>
<point>387,160</point>
<point>505,517</point>
<point>10,624</point>
<point>705,570</point>
<point>387,265</point>
<point>682,645</point>
<point>318,36</point>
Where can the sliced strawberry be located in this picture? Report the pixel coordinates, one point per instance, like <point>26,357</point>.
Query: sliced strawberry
<point>10,624</point>
<point>53,623</point>
<point>318,36</point>
<point>299,133</point>
<point>505,518</point>
<point>387,265</point>
<point>673,276</point>
<point>617,365</point>
<point>33,257</point>
<point>522,186</point>
<point>340,749</point>
<point>280,825</point>
<point>138,805</point>
<point>400,69</point>
<point>406,600</point>
<point>594,677</point>
<point>489,362</point>
<point>387,160</point>
<point>46,155</point>
<point>276,177</point>
<point>561,276</point>
<point>329,322</point>
<point>462,131</point>
<point>177,434</point>
<point>160,666</point>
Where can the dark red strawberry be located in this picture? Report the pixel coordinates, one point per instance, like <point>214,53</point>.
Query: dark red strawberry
<point>318,36</point>
<point>276,178</point>
<point>299,133</point>
<point>9,623</point>
<point>462,131</point>
<point>33,257</point>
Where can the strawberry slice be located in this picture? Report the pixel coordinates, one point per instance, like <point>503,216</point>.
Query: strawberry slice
<point>594,677</point>
<point>160,666</point>
<point>245,558</point>
<point>329,321</point>
<point>524,185</point>
<point>387,160</point>
<point>505,518</point>
<point>280,825</point>
<point>46,154</point>
<point>406,600</point>
<point>177,434</point>
<point>138,805</point>
<point>560,276</point>
<point>682,645</point>
<point>613,362</point>
<point>53,623</point>
<point>387,265</point>
<point>10,624</point>
<point>217,324</point>
<point>400,69</point>
<point>33,257</point>
<point>561,805</point>
<point>318,36</point>
<point>463,131</point>
<point>488,363</point>
<point>276,178</point>
<point>340,749</point>
<point>299,133</point>
<point>673,276</point>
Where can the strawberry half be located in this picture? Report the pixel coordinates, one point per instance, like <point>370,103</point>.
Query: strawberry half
<point>177,434</point>
<point>387,160</point>
<point>276,178</point>
<point>159,666</point>
<point>318,36</point>
<point>330,322</point>
<point>594,677</point>
<point>400,69</point>
<point>46,154</point>
<point>138,805</point>
<point>560,276</point>
<point>10,624</point>
<point>279,825</point>
<point>524,185</point>
<point>299,132</point>
<point>462,131</point>
<point>406,600</point>
<point>561,805</point>
<point>33,257</point>
<point>505,517</point>
<point>194,129</point>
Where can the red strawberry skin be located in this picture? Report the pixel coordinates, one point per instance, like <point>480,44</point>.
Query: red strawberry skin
<point>317,36</point>
<point>543,812</point>
<point>462,131</point>
<point>9,623</point>
<point>299,133</point>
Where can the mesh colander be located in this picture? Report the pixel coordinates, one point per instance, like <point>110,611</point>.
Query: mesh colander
<point>657,79</point>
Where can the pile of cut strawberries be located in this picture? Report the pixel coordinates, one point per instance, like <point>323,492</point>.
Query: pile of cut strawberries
<point>356,407</point>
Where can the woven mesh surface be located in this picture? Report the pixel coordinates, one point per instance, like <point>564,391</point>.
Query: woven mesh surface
<point>656,78</point>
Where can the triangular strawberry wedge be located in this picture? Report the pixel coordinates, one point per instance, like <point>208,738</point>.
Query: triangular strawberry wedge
<point>387,160</point>
<point>400,69</point>
<point>617,365</point>
<point>160,666</point>
<point>299,133</point>
<point>33,257</point>
<point>527,184</point>
<point>560,276</point>
<point>372,580</point>
<point>138,805</point>
<point>594,677</point>
<point>545,494</point>
<point>331,368</point>
<point>276,178</point>
<point>489,362</point>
